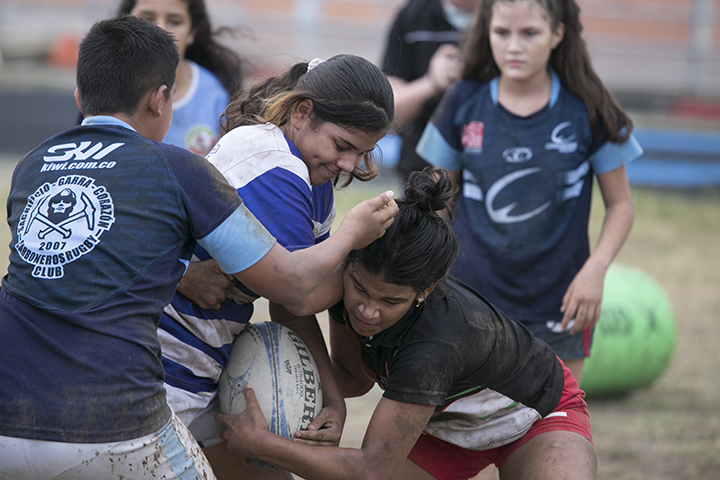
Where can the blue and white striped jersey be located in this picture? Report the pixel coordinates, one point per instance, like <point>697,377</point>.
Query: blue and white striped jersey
<point>274,183</point>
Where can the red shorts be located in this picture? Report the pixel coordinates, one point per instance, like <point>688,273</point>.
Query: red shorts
<point>446,461</point>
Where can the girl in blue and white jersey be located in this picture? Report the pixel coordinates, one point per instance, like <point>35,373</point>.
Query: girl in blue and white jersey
<point>288,142</point>
<point>524,134</point>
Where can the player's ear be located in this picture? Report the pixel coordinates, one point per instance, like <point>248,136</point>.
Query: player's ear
<point>558,35</point>
<point>191,36</point>
<point>157,100</point>
<point>429,290</point>
<point>302,112</point>
<point>76,94</point>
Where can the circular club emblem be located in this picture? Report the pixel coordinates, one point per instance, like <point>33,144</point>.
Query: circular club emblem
<point>61,222</point>
<point>200,139</point>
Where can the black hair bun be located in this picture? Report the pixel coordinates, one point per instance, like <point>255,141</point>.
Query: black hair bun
<point>430,190</point>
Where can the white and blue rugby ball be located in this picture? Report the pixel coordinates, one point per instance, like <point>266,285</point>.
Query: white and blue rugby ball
<point>279,367</point>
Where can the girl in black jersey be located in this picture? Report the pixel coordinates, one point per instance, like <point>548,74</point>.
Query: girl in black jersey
<point>465,386</point>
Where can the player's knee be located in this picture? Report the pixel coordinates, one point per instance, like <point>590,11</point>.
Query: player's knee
<point>552,456</point>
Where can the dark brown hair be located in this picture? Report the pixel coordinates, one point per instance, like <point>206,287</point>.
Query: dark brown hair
<point>120,60</point>
<point>419,247</point>
<point>346,90</point>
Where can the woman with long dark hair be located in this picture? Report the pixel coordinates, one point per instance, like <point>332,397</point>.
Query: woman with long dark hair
<point>465,386</point>
<point>525,133</point>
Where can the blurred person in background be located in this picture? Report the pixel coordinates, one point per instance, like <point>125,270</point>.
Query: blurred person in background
<point>422,60</point>
<point>525,134</point>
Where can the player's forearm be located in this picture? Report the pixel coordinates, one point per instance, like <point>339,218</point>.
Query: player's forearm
<point>410,97</point>
<point>311,266</point>
<point>318,463</point>
<point>288,278</point>
<point>363,224</point>
<point>322,298</point>
<point>349,384</point>
<point>346,363</point>
<point>615,230</point>
<point>318,262</point>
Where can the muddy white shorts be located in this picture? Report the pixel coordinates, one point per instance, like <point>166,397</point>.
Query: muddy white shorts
<point>197,411</point>
<point>169,453</point>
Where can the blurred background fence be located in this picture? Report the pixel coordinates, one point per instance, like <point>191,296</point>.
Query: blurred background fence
<point>660,58</point>
<point>644,47</point>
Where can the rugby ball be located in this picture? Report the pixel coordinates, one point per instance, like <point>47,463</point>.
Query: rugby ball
<point>279,367</point>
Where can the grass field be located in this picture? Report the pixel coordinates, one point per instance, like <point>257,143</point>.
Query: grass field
<point>670,430</point>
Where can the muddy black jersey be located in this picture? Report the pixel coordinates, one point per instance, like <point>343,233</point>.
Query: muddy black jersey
<point>458,352</point>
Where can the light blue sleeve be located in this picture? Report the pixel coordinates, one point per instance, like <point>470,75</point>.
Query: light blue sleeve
<point>434,149</point>
<point>239,242</point>
<point>614,155</point>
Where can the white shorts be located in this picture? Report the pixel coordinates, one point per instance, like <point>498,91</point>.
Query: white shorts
<point>197,411</point>
<point>169,453</point>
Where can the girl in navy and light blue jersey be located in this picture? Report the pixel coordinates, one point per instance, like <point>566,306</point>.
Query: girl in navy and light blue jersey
<point>287,143</point>
<point>524,134</point>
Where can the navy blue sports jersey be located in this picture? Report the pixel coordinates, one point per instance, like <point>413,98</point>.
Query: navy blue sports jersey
<point>527,182</point>
<point>103,223</point>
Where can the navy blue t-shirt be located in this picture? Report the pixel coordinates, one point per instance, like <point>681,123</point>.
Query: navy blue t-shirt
<point>103,222</point>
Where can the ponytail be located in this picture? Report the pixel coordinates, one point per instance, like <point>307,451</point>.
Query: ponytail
<point>252,107</point>
<point>571,61</point>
